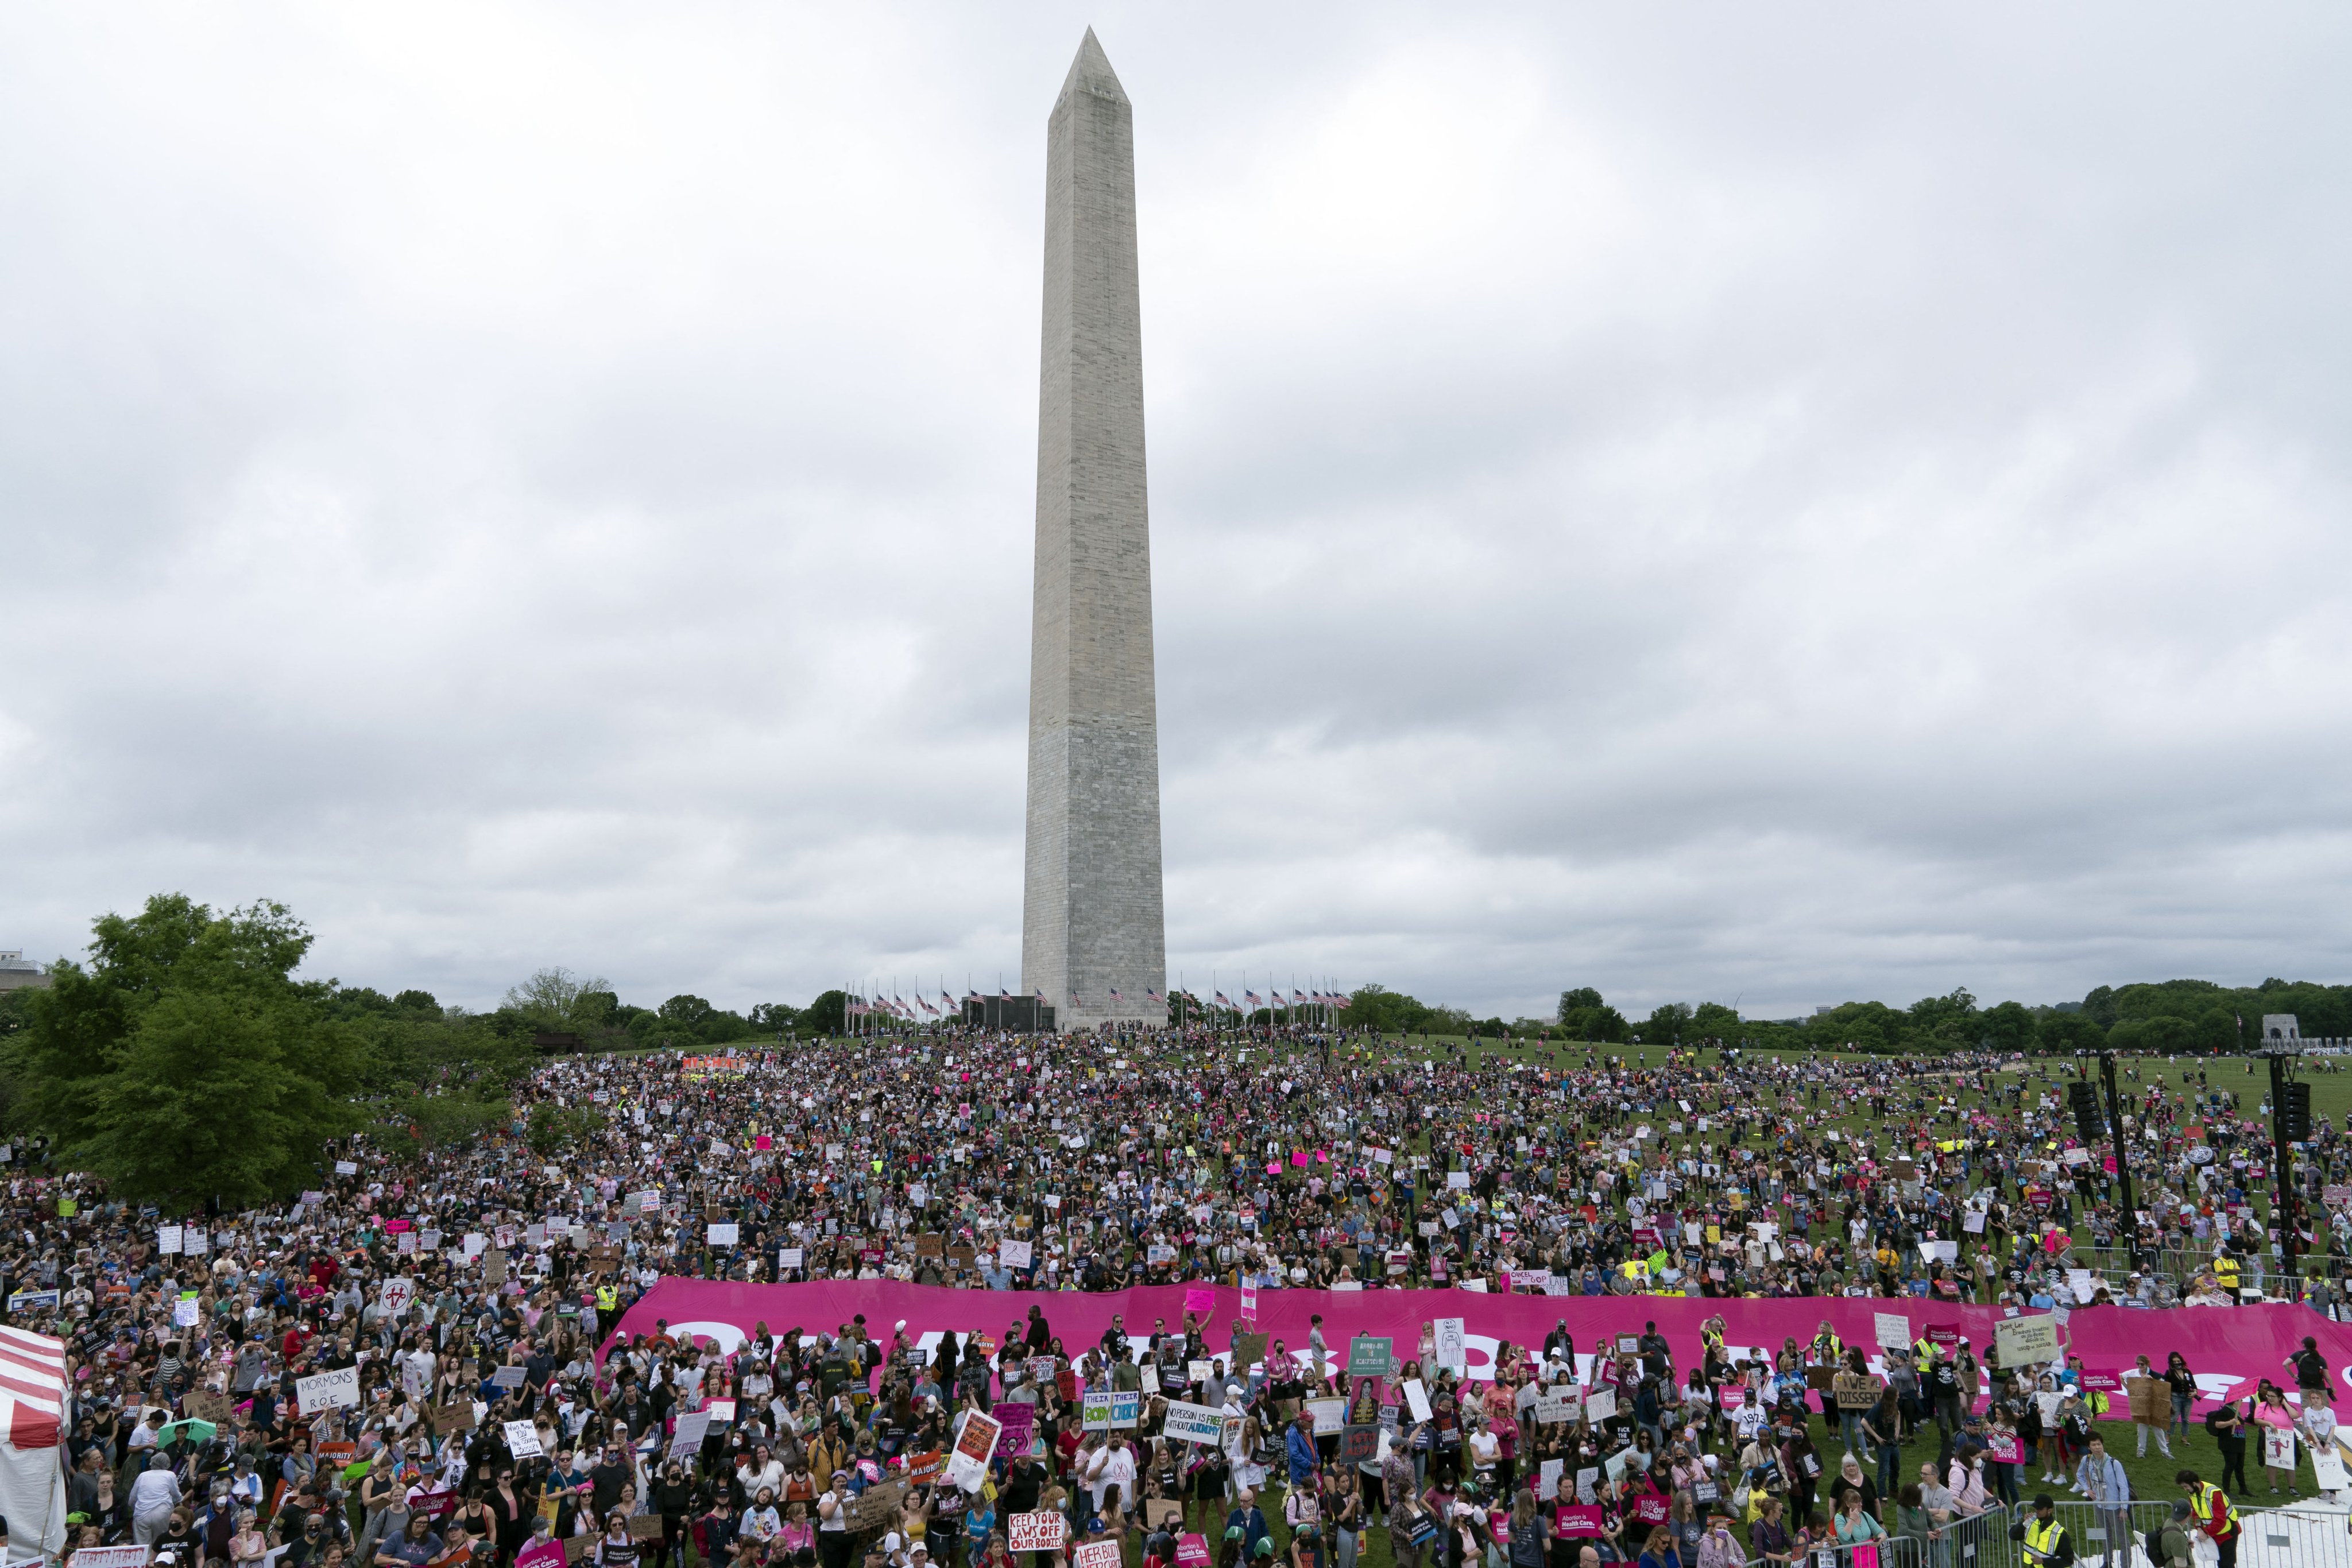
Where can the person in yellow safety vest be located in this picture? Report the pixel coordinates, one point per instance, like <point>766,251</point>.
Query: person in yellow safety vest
<point>608,1300</point>
<point>1827,1348</point>
<point>2046,1542</point>
<point>2217,1516</point>
<point>1711,1334</point>
<point>2225,1272</point>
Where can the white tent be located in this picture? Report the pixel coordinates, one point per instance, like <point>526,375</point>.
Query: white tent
<point>32,1428</point>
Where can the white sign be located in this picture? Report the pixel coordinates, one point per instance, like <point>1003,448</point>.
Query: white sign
<point>398,1293</point>
<point>722,1233</point>
<point>347,1168</point>
<point>1416,1397</point>
<point>1600,1404</point>
<point>2026,1342</point>
<point>522,1440</point>
<point>1195,1423</point>
<point>1452,1349</point>
<point>688,1438</point>
<point>1015,1254</point>
<point>167,1237</point>
<point>184,1312</point>
<point>1893,1331</point>
<point>788,1260</point>
<point>329,1390</point>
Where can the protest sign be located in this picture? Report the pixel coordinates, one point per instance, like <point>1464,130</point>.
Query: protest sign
<point>1417,1397</point>
<point>328,1390</point>
<point>2026,1340</point>
<point>1189,1423</point>
<point>1553,1408</point>
<point>1852,1390</point>
<point>1893,1331</point>
<point>688,1438</point>
<point>1035,1532</point>
<point>1104,1409</point>
<point>1331,1415</point>
<point>1020,1424</point>
<point>1192,1552</point>
<point>1452,1345</point>
<point>1600,1404</point>
<point>1096,1554</point>
<point>877,1507</point>
<point>1371,1355</point>
<point>975,1446</point>
<point>522,1440</point>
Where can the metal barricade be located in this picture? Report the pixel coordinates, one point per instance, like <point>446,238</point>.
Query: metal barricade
<point>1979,1541</point>
<point>2293,1538</point>
<point>1892,1552</point>
<point>2111,1536</point>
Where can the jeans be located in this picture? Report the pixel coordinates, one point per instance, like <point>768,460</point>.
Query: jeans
<point>1890,1457</point>
<point>2180,1403</point>
<point>1347,1544</point>
<point>1850,1424</point>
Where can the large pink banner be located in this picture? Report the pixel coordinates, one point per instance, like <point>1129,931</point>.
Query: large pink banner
<point>2228,1348</point>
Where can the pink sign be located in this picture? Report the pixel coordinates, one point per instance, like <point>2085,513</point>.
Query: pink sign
<point>2103,1379</point>
<point>1733,1399</point>
<point>546,1554</point>
<point>1650,1510</point>
<point>1581,1518</point>
<point>1192,1552</point>
<point>2240,1344</point>
<point>2004,1449</point>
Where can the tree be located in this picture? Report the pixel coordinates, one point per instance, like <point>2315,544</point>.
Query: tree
<point>557,1000</point>
<point>1578,1000</point>
<point>2007,1027</point>
<point>1666,1022</point>
<point>824,1016</point>
<point>2059,1034</point>
<point>186,1062</point>
<point>1714,1021</point>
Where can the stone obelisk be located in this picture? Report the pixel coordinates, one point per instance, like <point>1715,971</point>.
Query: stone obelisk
<point>1092,937</point>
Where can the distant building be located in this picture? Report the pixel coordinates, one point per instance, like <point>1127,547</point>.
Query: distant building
<point>16,971</point>
<point>2280,1026</point>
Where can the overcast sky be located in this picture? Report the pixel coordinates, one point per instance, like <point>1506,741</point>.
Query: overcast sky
<point>1783,504</point>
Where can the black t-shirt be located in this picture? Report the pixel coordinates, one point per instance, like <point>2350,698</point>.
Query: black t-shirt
<point>2310,1370</point>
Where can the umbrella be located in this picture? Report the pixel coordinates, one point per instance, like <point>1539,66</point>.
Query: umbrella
<point>195,1431</point>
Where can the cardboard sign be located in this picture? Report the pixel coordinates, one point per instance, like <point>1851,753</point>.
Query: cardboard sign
<point>1852,1390</point>
<point>218,1408</point>
<point>1035,1532</point>
<point>2026,1340</point>
<point>1249,1349</point>
<point>877,1508</point>
<point>458,1417</point>
<point>329,1390</point>
<point>645,1527</point>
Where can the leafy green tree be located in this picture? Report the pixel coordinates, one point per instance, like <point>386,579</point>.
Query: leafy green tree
<point>1713,1021</point>
<point>1576,1001</point>
<point>2008,1026</point>
<point>1665,1023</point>
<point>186,1063</point>
<point>2060,1034</point>
<point>825,1017</point>
<point>557,1000</point>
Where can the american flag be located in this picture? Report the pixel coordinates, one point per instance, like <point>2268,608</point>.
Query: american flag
<point>947,999</point>
<point>1223,1000</point>
<point>1004,995</point>
<point>1039,994</point>
<point>1296,996</point>
<point>1152,997</point>
<point>971,996</point>
<point>1115,998</point>
<point>1339,998</point>
<point>1253,998</point>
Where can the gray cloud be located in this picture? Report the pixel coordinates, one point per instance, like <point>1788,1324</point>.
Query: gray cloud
<point>1790,507</point>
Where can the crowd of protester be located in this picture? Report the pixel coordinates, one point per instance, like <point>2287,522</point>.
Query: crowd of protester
<point>469,1290</point>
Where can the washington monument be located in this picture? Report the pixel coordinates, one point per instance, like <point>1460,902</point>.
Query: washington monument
<point>1093,941</point>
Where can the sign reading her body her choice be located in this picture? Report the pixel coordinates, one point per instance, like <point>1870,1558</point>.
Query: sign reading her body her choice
<point>1096,1554</point>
